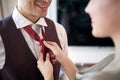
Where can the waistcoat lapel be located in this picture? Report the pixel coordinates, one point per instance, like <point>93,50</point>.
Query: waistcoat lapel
<point>52,36</point>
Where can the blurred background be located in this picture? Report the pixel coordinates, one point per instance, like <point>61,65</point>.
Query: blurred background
<point>72,15</point>
<point>84,49</point>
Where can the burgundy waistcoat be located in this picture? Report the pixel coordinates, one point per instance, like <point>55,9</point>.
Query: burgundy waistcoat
<point>20,63</point>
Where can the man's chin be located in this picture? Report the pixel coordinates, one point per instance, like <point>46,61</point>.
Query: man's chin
<point>42,15</point>
<point>96,35</point>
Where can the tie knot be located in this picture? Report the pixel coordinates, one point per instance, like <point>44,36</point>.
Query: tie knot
<point>33,33</point>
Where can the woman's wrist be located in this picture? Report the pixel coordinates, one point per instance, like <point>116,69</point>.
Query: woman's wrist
<point>49,78</point>
<point>60,56</point>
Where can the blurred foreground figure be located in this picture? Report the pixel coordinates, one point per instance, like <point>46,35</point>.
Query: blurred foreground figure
<point>105,21</point>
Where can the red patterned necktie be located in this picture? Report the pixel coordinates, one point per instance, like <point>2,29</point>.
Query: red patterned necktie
<point>36,37</point>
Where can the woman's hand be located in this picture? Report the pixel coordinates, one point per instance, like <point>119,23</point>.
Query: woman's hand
<point>45,67</point>
<point>67,64</point>
<point>58,53</point>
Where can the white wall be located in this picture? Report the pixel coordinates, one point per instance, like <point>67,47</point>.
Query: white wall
<point>88,54</point>
<point>52,12</point>
<point>7,7</point>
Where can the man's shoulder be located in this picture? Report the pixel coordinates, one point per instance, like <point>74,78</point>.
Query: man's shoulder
<point>53,22</point>
<point>1,23</point>
<point>5,21</point>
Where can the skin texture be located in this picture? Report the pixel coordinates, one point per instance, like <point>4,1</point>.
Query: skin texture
<point>46,67</point>
<point>104,17</point>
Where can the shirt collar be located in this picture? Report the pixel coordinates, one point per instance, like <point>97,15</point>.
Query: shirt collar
<point>21,21</point>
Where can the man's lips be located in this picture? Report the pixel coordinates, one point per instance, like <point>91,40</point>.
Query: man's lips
<point>42,5</point>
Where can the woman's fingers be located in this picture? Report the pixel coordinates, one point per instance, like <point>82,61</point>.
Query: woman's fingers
<point>53,56</point>
<point>40,59</point>
<point>47,45</point>
<point>50,45</point>
<point>48,57</point>
<point>54,48</point>
<point>54,61</point>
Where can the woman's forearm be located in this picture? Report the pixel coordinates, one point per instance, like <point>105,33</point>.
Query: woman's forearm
<point>68,66</point>
<point>51,78</point>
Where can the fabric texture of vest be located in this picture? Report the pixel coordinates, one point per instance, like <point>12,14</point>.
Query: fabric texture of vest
<point>20,63</point>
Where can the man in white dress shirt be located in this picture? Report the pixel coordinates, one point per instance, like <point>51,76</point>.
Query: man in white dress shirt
<point>18,51</point>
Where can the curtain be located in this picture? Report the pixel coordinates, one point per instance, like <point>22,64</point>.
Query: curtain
<point>0,9</point>
<point>6,7</point>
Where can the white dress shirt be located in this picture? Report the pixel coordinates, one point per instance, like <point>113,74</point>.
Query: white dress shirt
<point>20,22</point>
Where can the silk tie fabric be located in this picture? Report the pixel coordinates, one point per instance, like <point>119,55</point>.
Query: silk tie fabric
<point>36,37</point>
